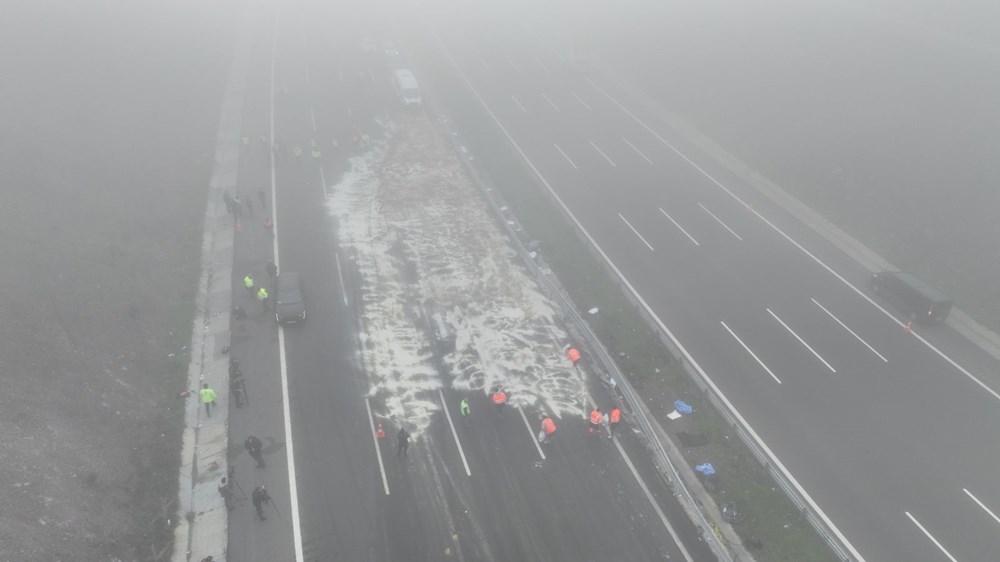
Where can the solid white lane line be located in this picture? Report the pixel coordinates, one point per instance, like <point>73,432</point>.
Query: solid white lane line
<point>517,68</point>
<point>930,536</point>
<point>518,103</point>
<point>564,156</point>
<point>802,341</point>
<point>982,505</point>
<point>652,501</point>
<point>642,484</point>
<point>541,64</point>
<point>454,433</point>
<point>691,238</point>
<point>312,117</point>
<point>648,245</point>
<point>652,314</point>
<point>286,408</point>
<point>750,351</point>
<point>601,152</point>
<point>724,225</point>
<point>637,151</point>
<point>820,262</point>
<point>340,275</point>
<point>880,356</point>
<point>531,433</point>
<point>579,99</point>
<point>551,103</point>
<point>378,450</point>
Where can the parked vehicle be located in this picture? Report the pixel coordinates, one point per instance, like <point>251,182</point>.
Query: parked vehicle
<point>290,304</point>
<point>406,87</point>
<point>918,300</point>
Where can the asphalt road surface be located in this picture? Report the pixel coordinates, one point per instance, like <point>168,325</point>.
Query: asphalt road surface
<point>351,495</point>
<point>890,432</point>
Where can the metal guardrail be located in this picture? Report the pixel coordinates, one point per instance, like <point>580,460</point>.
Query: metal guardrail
<point>597,350</point>
<point>554,290</point>
<point>821,525</point>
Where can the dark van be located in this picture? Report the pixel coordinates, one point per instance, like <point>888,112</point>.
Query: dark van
<point>918,300</point>
<point>290,304</point>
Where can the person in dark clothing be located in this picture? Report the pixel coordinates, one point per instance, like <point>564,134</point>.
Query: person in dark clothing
<point>229,201</point>
<point>254,447</point>
<point>237,386</point>
<point>262,198</point>
<point>259,498</point>
<point>226,491</point>
<point>402,442</point>
<point>272,271</point>
<point>249,203</point>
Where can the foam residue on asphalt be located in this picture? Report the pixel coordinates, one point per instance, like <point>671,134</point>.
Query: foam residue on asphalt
<point>430,256</point>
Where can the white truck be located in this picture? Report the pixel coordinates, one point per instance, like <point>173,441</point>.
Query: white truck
<point>406,87</point>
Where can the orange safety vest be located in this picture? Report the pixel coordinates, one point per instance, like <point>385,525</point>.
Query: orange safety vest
<point>596,418</point>
<point>573,355</point>
<point>500,397</point>
<point>616,415</point>
<point>548,426</point>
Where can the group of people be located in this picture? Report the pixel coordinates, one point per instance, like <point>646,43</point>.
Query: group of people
<point>600,419</point>
<point>259,496</point>
<point>260,292</point>
<point>359,140</point>
<point>499,396</point>
<point>235,204</point>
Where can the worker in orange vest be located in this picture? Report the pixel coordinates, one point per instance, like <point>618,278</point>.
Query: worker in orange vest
<point>573,355</point>
<point>548,429</point>
<point>613,420</point>
<point>596,420</point>
<point>499,398</point>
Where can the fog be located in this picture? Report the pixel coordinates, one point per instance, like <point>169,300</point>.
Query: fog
<point>880,115</point>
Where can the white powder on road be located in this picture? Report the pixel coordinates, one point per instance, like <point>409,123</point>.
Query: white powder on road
<point>428,250</point>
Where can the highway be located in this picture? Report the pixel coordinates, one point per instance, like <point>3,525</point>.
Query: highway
<point>891,433</point>
<point>479,490</point>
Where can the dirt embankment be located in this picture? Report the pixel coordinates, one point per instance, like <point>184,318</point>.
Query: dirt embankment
<point>108,123</point>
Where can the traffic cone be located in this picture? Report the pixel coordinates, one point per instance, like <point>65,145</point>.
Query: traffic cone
<point>908,328</point>
<point>379,432</point>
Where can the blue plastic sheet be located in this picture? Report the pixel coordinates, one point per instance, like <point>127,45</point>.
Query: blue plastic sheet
<point>683,407</point>
<point>707,469</point>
